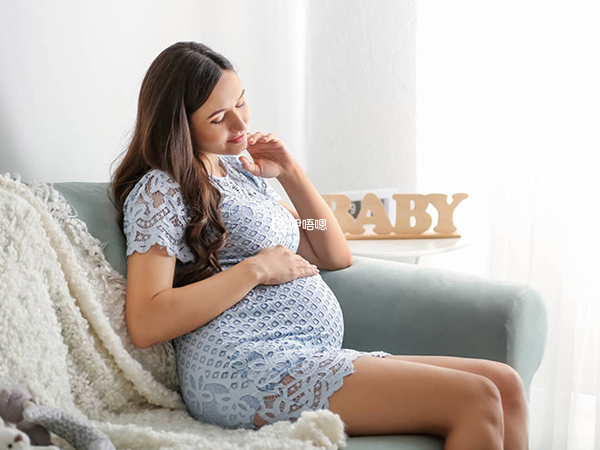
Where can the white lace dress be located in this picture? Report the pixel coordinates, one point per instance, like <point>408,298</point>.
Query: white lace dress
<point>275,353</point>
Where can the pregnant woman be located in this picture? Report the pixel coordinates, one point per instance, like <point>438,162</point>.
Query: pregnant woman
<point>219,266</point>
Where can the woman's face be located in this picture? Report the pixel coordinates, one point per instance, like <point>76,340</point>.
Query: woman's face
<point>223,117</point>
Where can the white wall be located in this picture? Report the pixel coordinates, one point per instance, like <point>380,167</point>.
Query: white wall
<point>71,72</point>
<point>361,102</point>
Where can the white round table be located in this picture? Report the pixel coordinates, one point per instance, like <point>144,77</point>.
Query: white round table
<point>404,250</point>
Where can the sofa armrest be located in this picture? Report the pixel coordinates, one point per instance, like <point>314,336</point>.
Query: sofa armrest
<point>407,309</point>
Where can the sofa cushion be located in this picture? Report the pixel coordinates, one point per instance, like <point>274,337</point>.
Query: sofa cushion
<point>92,203</point>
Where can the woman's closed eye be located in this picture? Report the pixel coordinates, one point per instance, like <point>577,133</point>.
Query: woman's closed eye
<point>238,106</point>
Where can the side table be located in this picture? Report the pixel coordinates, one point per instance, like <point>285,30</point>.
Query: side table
<point>404,250</point>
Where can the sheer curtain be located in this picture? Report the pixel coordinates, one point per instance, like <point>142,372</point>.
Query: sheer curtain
<point>508,110</point>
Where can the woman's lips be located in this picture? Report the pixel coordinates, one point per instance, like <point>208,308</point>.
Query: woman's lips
<point>238,139</point>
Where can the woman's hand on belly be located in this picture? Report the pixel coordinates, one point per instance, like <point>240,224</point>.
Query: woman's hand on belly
<point>279,264</point>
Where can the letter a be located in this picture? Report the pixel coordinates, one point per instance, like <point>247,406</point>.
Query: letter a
<point>379,216</point>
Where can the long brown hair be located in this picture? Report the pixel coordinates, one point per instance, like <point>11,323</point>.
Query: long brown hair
<point>178,82</point>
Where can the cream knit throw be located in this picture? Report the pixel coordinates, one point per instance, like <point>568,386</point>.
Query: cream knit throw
<point>63,334</point>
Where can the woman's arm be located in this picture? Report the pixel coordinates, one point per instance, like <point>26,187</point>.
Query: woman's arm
<point>327,249</point>
<point>304,248</point>
<point>157,312</point>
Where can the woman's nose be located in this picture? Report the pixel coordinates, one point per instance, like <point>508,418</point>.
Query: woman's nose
<point>239,124</point>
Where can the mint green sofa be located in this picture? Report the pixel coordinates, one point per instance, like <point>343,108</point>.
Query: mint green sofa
<point>397,307</point>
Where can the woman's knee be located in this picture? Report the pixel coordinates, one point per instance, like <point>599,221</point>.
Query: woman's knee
<point>512,388</point>
<point>486,405</point>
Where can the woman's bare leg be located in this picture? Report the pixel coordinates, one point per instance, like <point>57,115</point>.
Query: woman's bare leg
<point>387,396</point>
<point>509,383</point>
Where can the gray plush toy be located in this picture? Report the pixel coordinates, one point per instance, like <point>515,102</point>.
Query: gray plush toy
<point>11,410</point>
<point>17,406</point>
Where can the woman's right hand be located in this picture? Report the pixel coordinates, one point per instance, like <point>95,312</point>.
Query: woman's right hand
<point>279,265</point>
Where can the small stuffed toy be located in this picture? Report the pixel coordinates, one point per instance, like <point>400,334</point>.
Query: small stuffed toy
<point>33,422</point>
<point>11,410</point>
<point>13,439</point>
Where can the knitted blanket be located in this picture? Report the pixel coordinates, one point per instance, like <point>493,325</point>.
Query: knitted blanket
<point>63,334</point>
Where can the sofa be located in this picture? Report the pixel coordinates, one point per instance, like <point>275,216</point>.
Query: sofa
<point>397,307</point>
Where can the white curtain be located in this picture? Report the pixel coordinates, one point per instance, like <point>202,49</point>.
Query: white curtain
<point>508,110</point>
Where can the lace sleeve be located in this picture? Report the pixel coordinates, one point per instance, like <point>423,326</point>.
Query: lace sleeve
<point>155,213</point>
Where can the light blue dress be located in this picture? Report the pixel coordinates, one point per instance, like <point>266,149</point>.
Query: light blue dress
<point>275,353</point>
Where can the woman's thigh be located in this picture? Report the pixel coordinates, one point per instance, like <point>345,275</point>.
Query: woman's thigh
<point>506,378</point>
<point>390,396</point>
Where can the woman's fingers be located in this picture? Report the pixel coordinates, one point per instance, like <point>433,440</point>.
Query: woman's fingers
<point>249,165</point>
<point>262,138</point>
<point>254,137</point>
<point>308,265</point>
<point>313,269</point>
<point>268,138</point>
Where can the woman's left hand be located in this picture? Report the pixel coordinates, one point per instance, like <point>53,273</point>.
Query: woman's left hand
<point>271,156</point>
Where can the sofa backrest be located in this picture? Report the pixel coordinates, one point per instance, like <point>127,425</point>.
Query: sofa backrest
<point>92,204</point>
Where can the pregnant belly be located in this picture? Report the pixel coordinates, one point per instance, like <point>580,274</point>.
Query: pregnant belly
<point>298,314</point>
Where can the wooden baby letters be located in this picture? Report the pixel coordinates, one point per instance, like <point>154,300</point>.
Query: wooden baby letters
<point>407,206</point>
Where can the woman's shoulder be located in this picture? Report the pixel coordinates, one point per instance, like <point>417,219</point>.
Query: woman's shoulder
<point>158,178</point>
<point>155,183</point>
<point>155,212</point>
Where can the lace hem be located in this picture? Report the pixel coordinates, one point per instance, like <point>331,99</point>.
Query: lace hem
<point>309,386</point>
